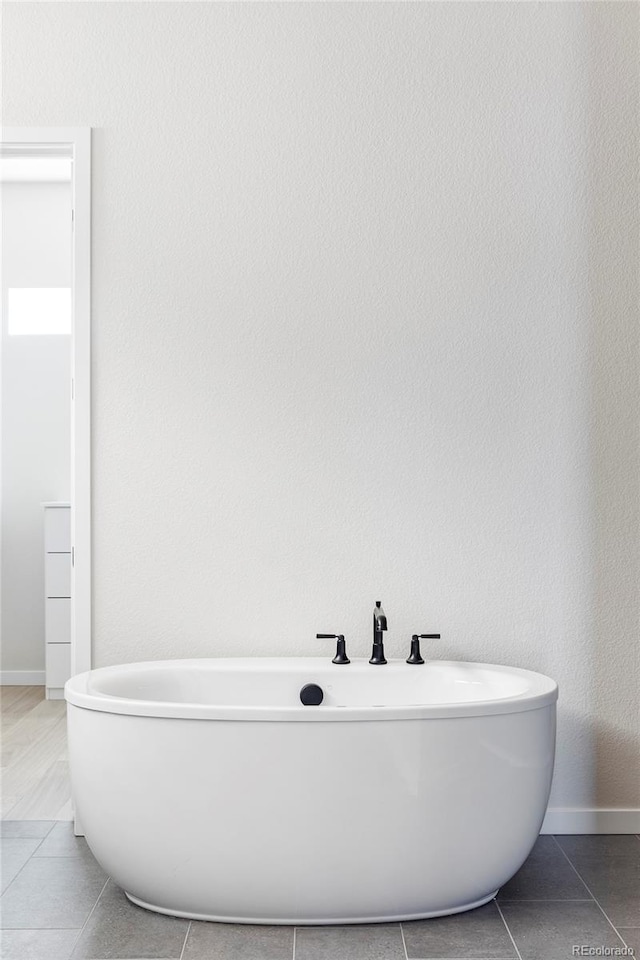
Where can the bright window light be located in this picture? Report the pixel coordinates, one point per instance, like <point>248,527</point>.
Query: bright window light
<point>39,310</point>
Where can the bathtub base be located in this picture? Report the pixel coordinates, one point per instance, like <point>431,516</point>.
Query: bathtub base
<point>315,921</point>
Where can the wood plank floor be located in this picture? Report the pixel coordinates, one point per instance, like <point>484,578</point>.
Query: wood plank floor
<point>34,774</point>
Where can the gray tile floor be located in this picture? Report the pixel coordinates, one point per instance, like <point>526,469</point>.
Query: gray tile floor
<point>572,891</point>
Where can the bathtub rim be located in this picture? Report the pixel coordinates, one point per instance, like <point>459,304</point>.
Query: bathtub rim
<point>543,693</point>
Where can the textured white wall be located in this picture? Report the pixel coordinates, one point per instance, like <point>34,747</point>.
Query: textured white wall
<point>364,291</point>
<point>36,416</point>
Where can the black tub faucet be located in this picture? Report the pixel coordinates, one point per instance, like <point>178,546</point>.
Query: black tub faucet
<point>379,626</point>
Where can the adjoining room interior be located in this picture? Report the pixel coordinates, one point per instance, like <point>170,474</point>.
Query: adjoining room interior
<point>36,189</point>
<point>362,321</point>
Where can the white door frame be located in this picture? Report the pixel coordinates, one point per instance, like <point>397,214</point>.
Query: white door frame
<point>77,140</point>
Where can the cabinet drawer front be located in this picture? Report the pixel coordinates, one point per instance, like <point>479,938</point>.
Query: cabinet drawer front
<point>57,574</point>
<point>57,621</point>
<point>58,664</point>
<point>57,529</point>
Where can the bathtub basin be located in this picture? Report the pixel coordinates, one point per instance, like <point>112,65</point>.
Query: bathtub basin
<point>207,790</point>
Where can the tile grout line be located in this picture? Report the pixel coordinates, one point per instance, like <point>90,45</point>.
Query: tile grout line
<point>5,820</point>
<point>515,945</point>
<point>186,937</point>
<point>404,943</point>
<point>61,856</point>
<point>543,899</point>
<point>28,860</point>
<point>595,899</point>
<point>82,928</point>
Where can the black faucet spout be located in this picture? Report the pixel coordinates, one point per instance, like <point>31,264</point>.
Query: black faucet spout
<point>379,626</point>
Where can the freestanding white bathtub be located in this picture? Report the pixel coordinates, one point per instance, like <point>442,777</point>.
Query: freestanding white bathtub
<point>207,790</point>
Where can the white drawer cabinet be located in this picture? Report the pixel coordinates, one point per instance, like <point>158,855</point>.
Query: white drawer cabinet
<point>57,529</point>
<point>57,599</point>
<point>58,667</point>
<point>57,619</point>
<point>57,574</point>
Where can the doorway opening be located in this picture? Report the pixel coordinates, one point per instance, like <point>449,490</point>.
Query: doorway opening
<point>46,392</point>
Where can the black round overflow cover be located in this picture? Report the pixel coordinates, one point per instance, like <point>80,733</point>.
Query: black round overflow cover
<point>311,695</point>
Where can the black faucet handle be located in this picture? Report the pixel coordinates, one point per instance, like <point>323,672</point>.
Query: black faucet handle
<point>341,649</point>
<point>415,656</point>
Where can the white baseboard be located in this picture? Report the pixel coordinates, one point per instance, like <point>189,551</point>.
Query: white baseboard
<point>591,820</point>
<point>22,678</point>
